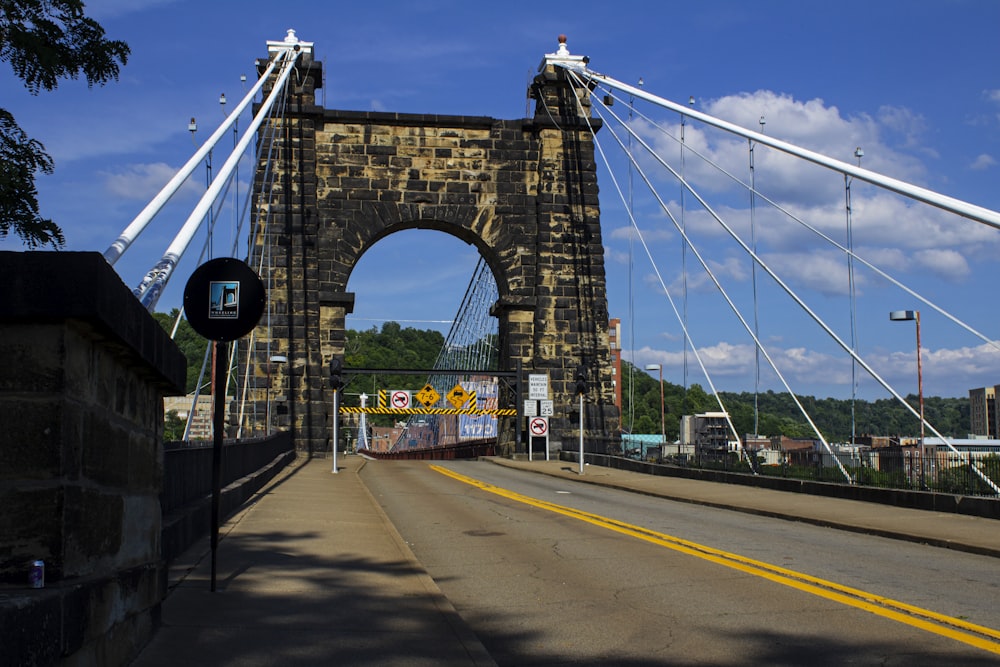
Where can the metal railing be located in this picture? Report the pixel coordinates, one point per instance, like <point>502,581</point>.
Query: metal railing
<point>187,468</point>
<point>938,472</point>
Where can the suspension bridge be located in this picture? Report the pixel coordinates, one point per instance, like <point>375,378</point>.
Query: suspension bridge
<point>532,333</point>
<point>328,185</point>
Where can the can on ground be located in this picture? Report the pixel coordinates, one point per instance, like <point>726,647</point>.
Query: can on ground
<point>37,574</point>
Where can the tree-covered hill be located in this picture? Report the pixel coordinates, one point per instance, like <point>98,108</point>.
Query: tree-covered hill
<point>394,346</point>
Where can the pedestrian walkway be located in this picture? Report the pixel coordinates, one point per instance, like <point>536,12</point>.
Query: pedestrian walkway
<point>955,531</point>
<point>310,573</point>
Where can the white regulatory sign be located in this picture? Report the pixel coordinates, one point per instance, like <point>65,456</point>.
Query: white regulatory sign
<point>538,427</point>
<point>538,386</point>
<point>399,399</point>
<point>546,409</point>
<point>530,408</point>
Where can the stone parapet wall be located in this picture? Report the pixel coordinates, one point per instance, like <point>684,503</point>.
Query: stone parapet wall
<point>81,465</point>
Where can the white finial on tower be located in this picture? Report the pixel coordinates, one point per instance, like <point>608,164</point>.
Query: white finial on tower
<point>562,57</point>
<point>563,50</point>
<point>290,42</point>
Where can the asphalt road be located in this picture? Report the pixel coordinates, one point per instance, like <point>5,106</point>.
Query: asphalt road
<point>639,580</point>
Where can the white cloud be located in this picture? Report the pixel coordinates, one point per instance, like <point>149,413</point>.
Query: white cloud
<point>824,272</point>
<point>649,235</point>
<point>140,181</point>
<point>982,162</point>
<point>103,10</point>
<point>143,181</point>
<point>948,264</point>
<point>947,371</point>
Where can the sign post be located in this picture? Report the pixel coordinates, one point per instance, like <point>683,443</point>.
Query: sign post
<point>538,390</point>
<point>538,427</point>
<point>223,301</point>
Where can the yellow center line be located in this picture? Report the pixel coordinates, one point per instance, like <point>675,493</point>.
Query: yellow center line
<point>979,636</point>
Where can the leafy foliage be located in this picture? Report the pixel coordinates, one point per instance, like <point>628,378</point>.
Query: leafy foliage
<point>44,41</point>
<point>390,347</point>
<point>173,427</point>
<point>393,347</point>
<point>778,414</point>
<point>20,159</point>
<point>191,344</point>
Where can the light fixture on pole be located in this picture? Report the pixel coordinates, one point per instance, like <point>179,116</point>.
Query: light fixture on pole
<point>663,411</point>
<point>275,359</point>
<point>914,316</point>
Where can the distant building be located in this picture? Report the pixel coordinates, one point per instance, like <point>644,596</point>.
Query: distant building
<point>201,425</point>
<point>795,451</point>
<point>983,411</point>
<point>708,433</point>
<point>383,438</point>
<point>614,342</point>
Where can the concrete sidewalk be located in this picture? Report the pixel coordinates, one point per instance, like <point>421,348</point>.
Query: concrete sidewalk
<point>310,573</point>
<point>954,531</point>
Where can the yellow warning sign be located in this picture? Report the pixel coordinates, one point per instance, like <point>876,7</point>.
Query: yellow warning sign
<point>458,396</point>
<point>428,396</point>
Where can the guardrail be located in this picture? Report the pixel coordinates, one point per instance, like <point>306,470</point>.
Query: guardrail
<point>955,503</point>
<point>462,450</point>
<point>185,500</point>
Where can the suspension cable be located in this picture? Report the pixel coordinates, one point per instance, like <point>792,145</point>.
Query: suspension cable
<point>848,251</point>
<point>141,221</point>
<point>957,206</point>
<point>153,284</point>
<point>798,300</point>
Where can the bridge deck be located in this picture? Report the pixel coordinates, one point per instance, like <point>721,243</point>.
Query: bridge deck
<point>336,584</point>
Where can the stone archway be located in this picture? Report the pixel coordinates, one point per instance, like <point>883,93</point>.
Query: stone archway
<point>523,192</point>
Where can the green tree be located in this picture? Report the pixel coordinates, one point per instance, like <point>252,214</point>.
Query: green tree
<point>173,427</point>
<point>191,344</point>
<point>44,41</point>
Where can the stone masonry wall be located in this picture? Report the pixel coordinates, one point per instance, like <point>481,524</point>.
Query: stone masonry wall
<point>80,460</point>
<point>523,192</point>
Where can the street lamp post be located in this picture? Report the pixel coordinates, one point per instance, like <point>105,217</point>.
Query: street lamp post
<point>663,420</point>
<point>914,316</point>
<point>275,359</point>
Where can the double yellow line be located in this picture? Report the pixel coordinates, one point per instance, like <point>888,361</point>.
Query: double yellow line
<point>979,636</point>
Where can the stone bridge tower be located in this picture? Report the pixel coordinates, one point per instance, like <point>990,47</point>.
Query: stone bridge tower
<point>523,192</point>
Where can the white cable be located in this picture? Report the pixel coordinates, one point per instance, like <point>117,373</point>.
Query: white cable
<point>965,209</point>
<point>130,233</point>
<point>733,307</point>
<point>817,232</point>
<point>798,300</point>
<point>152,285</point>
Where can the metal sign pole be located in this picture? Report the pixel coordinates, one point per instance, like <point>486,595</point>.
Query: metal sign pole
<point>218,423</point>
<point>336,420</point>
<point>581,433</point>
<point>531,441</point>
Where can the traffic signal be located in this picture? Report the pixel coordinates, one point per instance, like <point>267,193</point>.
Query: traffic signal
<point>336,373</point>
<point>581,379</point>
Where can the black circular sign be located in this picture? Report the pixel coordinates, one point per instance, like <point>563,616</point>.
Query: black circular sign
<point>223,299</point>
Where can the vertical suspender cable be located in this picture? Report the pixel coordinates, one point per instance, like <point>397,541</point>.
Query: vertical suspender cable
<point>684,275</point>
<point>753,274</point>
<point>631,293</point>
<point>853,300</point>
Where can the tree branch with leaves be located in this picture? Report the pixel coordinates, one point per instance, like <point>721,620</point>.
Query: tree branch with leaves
<point>44,41</point>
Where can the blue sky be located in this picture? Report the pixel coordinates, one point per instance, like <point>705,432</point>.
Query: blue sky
<point>913,82</point>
